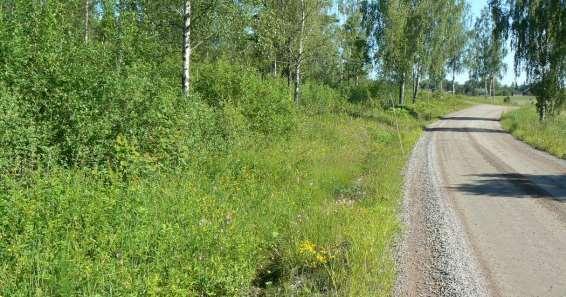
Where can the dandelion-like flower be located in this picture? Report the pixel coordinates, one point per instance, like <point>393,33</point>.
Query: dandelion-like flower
<point>307,247</point>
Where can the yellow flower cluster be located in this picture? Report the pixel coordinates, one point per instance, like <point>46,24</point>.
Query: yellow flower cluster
<point>312,255</point>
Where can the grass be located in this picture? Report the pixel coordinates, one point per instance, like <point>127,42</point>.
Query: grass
<point>311,215</point>
<point>517,100</point>
<point>549,136</point>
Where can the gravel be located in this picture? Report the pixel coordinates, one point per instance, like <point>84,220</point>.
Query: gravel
<point>434,257</point>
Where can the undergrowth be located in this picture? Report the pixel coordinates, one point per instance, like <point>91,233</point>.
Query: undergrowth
<point>313,214</point>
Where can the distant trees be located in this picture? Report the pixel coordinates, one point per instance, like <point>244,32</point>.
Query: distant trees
<point>420,37</point>
<point>337,42</point>
<point>486,52</point>
<point>291,37</point>
<point>353,41</point>
<point>538,36</point>
<point>457,39</point>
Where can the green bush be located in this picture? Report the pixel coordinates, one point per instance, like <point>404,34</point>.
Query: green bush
<point>22,141</point>
<point>265,103</point>
<point>319,98</point>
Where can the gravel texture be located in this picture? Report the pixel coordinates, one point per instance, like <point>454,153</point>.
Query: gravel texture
<point>434,257</point>
<point>484,214</point>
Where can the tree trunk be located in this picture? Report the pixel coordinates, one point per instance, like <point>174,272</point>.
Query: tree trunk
<point>453,81</point>
<point>416,87</point>
<point>87,19</point>
<point>402,90</point>
<point>485,87</point>
<point>300,56</point>
<point>275,67</point>
<point>187,48</point>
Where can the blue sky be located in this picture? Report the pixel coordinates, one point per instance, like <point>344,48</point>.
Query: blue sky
<point>509,77</point>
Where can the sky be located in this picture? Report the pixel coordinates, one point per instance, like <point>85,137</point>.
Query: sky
<point>509,76</point>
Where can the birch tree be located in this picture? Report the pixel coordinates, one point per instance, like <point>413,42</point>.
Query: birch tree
<point>297,93</point>
<point>87,20</point>
<point>187,14</point>
<point>538,33</point>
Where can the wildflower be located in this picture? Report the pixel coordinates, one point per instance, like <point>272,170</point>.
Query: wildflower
<point>307,247</point>
<point>321,258</point>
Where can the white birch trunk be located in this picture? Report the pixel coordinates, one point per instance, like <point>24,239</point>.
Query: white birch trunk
<point>453,81</point>
<point>87,19</point>
<point>402,90</point>
<point>187,48</point>
<point>416,83</point>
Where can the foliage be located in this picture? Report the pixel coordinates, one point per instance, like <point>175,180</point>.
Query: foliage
<point>265,103</point>
<point>321,98</point>
<point>114,183</point>
<point>538,33</point>
<point>421,37</point>
<point>22,141</point>
<point>486,52</point>
<point>209,229</point>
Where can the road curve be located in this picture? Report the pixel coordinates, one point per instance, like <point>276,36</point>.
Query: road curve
<point>484,214</point>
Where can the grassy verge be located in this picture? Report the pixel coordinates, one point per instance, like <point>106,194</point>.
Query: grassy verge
<point>549,136</point>
<point>311,215</point>
<point>517,100</point>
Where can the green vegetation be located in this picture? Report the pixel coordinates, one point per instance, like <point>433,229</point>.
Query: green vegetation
<point>549,135</point>
<point>414,39</point>
<point>486,52</point>
<point>504,100</point>
<point>116,180</point>
<point>537,33</point>
<point>213,147</point>
<point>310,213</point>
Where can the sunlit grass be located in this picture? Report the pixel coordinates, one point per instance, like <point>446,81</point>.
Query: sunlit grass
<point>549,135</point>
<point>519,100</point>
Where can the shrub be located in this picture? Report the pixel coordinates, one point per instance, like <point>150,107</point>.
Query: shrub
<point>320,98</point>
<point>265,103</point>
<point>22,141</point>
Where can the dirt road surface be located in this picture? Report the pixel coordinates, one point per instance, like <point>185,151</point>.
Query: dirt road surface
<point>485,214</point>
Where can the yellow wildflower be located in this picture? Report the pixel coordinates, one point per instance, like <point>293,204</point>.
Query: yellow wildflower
<point>321,258</point>
<point>307,247</point>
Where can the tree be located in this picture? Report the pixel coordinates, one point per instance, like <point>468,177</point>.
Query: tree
<point>186,47</point>
<point>457,39</point>
<point>353,42</point>
<point>298,63</point>
<point>418,36</point>
<point>293,31</point>
<point>388,22</point>
<point>486,52</point>
<point>87,19</point>
<point>538,35</point>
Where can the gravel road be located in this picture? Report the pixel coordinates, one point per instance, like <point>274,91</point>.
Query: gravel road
<point>484,214</point>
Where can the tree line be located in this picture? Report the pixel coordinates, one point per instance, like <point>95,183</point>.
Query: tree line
<point>334,42</point>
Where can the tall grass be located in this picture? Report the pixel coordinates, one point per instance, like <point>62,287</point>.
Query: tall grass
<point>549,135</point>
